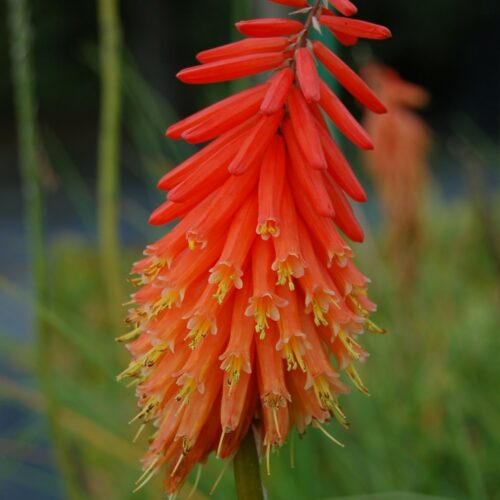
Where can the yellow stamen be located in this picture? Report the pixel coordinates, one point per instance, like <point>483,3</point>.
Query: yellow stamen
<point>276,423</point>
<point>195,484</point>
<point>268,459</point>
<point>356,379</point>
<point>373,328</point>
<point>147,474</point>
<point>219,478</point>
<point>326,433</point>
<point>293,355</point>
<point>128,337</point>
<point>221,441</point>
<point>167,301</point>
<point>198,332</point>
<point>285,273</point>
<point>177,465</point>
<point>185,392</point>
<point>350,344</point>
<point>145,413</point>
<point>233,368</point>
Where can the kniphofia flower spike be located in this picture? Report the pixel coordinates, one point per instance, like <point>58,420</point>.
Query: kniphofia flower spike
<point>249,310</point>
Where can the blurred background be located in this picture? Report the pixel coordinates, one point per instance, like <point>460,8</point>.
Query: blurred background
<point>431,428</point>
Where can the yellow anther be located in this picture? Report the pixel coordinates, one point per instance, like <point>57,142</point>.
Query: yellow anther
<point>293,355</point>
<point>185,392</point>
<point>373,328</point>
<point>285,273</point>
<point>233,369</point>
<point>198,332</point>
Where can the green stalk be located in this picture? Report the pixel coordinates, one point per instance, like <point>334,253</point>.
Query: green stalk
<point>109,157</point>
<point>247,470</point>
<point>20,35</point>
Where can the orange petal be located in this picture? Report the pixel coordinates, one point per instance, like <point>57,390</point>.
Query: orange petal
<point>269,27</point>
<point>344,215</point>
<point>277,92</point>
<point>271,183</point>
<point>341,117</point>
<point>345,7</point>
<point>230,69</point>
<point>307,75</point>
<point>305,131</point>
<point>256,143</point>
<point>348,78</point>
<point>339,168</point>
<point>244,47</point>
<point>301,174</point>
<point>355,27</point>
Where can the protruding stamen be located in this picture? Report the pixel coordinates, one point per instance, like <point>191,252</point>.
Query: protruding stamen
<point>356,379</point>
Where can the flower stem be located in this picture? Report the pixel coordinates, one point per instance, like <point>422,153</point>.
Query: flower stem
<point>247,470</point>
<point>20,36</point>
<point>109,157</point>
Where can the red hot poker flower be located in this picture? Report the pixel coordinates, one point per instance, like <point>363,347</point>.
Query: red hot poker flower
<point>244,303</point>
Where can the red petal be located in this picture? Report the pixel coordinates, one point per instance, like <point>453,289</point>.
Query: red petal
<point>344,39</point>
<point>256,143</point>
<point>348,78</point>
<point>202,157</point>
<point>305,130</point>
<point>345,7</point>
<point>229,69</point>
<point>310,180</point>
<point>225,119</point>
<point>355,27</point>
<point>169,211</point>
<point>307,75</point>
<point>271,182</point>
<point>346,123</point>
<point>176,130</point>
<point>344,215</point>
<point>277,92</point>
<point>339,168</point>
<point>299,4</point>
<point>207,177</point>
<point>244,47</point>
<point>269,27</point>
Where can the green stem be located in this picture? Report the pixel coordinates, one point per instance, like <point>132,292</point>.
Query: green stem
<point>247,470</point>
<point>25,108</point>
<point>109,157</point>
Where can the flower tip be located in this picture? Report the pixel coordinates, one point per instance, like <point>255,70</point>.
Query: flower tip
<point>155,218</point>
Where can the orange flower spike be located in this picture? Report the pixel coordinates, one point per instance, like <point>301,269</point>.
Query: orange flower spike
<point>230,69</point>
<point>244,47</point>
<point>264,303</point>
<point>348,78</point>
<point>271,185</point>
<point>355,27</point>
<point>307,75</point>
<point>256,143</point>
<point>305,130</point>
<point>228,271</point>
<point>223,107</point>
<point>289,262</point>
<point>343,120</point>
<point>277,92</point>
<point>339,168</point>
<point>310,181</point>
<point>344,215</point>
<point>345,7</point>
<point>269,27</point>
